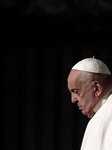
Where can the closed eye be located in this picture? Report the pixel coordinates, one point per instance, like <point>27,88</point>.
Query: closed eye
<point>75,91</point>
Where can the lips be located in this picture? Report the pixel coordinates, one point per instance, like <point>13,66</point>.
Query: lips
<point>80,107</point>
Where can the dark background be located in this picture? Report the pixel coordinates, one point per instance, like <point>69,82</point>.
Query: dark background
<point>40,41</point>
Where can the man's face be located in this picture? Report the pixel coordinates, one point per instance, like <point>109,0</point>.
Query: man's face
<point>81,93</point>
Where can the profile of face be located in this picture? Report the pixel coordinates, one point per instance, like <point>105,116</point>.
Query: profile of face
<point>84,94</point>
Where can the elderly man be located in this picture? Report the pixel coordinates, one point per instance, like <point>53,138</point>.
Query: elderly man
<point>90,85</point>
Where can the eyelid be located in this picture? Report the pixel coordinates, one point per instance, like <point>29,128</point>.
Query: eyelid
<point>75,91</point>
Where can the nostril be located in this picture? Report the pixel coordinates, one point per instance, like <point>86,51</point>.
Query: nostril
<point>74,100</point>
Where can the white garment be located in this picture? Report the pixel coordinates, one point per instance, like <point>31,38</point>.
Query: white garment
<point>98,133</point>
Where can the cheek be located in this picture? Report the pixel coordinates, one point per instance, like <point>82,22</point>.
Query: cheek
<point>89,104</point>
<point>87,99</point>
<point>85,103</point>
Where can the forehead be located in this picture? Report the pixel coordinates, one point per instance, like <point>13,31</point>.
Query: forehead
<point>74,78</point>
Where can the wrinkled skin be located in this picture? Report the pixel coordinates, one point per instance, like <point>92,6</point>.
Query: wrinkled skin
<point>84,94</point>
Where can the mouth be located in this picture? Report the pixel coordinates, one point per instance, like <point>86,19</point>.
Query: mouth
<point>80,107</point>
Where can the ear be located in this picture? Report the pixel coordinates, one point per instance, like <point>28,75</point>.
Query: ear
<point>97,88</point>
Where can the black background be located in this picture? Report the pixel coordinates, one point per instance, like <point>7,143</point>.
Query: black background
<point>40,42</point>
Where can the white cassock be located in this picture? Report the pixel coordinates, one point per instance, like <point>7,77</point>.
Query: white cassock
<point>98,133</point>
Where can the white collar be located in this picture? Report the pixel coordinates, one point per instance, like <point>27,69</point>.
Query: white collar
<point>102,101</point>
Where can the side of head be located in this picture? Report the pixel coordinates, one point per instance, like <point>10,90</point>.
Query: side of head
<point>87,89</point>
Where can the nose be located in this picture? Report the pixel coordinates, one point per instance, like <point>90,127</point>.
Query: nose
<point>74,98</point>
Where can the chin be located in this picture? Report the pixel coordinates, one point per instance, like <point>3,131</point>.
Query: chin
<point>84,113</point>
<point>89,115</point>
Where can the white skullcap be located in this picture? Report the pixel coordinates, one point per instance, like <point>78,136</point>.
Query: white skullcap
<point>92,65</point>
